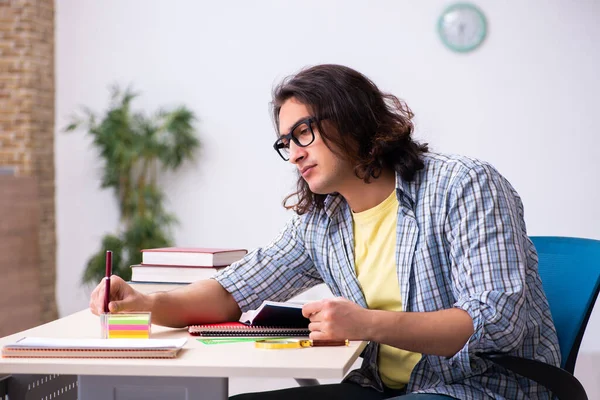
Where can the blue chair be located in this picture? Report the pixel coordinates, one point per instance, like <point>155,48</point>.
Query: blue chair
<point>570,272</point>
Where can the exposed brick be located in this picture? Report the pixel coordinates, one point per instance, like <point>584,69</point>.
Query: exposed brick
<point>27,125</point>
<point>20,288</point>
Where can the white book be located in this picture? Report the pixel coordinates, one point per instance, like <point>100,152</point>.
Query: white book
<point>165,274</point>
<point>93,348</point>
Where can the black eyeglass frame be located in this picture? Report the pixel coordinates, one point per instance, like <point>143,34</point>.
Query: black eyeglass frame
<point>290,136</point>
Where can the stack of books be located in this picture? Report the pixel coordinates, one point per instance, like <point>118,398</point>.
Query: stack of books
<point>182,265</point>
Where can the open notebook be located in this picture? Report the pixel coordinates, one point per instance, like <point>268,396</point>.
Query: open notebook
<point>270,319</point>
<point>93,348</point>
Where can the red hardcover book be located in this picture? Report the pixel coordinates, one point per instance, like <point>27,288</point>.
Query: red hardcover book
<point>192,256</point>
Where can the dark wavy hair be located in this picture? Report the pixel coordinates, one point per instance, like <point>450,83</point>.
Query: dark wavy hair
<point>373,129</point>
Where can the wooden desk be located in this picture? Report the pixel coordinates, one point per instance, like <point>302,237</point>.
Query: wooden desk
<point>200,371</point>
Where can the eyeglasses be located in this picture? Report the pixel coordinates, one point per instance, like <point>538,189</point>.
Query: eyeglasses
<point>302,134</point>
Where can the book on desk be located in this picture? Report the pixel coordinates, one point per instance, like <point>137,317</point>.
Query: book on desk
<point>38,347</point>
<point>192,256</point>
<point>270,319</point>
<point>171,274</point>
<point>183,265</point>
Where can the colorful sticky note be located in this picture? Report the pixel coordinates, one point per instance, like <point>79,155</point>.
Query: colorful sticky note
<point>127,326</point>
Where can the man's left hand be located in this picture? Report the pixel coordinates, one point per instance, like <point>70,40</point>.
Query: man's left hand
<point>336,318</point>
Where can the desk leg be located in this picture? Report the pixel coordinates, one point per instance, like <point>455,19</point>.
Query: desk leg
<point>91,387</point>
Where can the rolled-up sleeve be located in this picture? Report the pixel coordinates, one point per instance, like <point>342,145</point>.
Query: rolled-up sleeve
<point>275,272</point>
<point>486,236</point>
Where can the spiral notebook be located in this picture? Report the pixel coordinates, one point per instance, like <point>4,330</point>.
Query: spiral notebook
<point>234,329</point>
<point>36,347</point>
<point>270,319</point>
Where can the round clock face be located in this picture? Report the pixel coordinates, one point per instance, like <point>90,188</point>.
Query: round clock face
<point>462,27</point>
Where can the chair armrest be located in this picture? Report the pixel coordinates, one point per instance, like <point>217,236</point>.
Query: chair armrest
<point>4,385</point>
<point>307,382</point>
<point>561,383</point>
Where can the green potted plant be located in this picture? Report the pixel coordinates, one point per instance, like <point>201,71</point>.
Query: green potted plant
<point>135,149</point>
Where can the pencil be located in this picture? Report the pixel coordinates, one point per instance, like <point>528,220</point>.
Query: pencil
<point>317,343</point>
<point>107,280</point>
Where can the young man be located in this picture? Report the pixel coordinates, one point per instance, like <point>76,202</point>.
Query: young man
<point>428,254</point>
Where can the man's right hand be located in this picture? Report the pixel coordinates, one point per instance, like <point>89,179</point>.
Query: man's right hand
<point>122,297</point>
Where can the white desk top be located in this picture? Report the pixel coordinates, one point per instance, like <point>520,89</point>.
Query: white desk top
<point>195,360</point>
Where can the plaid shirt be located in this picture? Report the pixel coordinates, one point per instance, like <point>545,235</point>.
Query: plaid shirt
<point>461,242</point>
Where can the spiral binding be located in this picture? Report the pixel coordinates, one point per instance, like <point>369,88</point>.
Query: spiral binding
<point>87,353</point>
<point>231,330</point>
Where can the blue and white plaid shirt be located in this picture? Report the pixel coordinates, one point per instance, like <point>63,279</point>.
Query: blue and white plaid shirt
<point>461,242</point>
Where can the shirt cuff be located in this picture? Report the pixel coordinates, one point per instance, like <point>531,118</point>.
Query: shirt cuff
<point>464,360</point>
<point>245,297</point>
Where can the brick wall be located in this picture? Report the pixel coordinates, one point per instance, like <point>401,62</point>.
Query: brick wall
<point>20,296</point>
<point>27,119</point>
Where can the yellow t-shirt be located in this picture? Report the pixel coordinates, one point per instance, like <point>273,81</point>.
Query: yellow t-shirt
<point>375,262</point>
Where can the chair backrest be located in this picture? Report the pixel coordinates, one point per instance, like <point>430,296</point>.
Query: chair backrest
<point>570,272</point>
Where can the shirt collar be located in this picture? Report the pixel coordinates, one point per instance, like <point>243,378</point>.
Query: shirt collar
<point>406,189</point>
<point>334,202</point>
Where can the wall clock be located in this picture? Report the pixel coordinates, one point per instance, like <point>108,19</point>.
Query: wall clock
<point>462,27</point>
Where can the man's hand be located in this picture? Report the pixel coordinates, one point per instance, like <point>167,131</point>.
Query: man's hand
<point>336,318</point>
<point>122,298</point>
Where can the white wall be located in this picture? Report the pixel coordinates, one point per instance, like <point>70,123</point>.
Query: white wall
<point>526,101</point>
